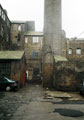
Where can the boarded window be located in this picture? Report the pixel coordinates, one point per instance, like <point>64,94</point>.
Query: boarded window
<point>70,52</point>
<point>78,51</point>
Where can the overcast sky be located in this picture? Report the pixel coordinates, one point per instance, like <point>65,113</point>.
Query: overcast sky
<point>72,14</point>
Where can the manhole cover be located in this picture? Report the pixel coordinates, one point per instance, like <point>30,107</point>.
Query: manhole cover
<point>69,112</point>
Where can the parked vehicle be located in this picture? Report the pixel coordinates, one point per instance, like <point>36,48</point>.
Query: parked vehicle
<point>7,84</point>
<point>81,87</point>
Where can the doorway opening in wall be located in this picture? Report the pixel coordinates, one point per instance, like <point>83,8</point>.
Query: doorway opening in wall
<point>36,75</point>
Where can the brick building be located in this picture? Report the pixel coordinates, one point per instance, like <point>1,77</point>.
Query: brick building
<point>5,28</point>
<point>18,28</point>
<point>12,65</point>
<point>59,61</point>
<point>17,35</point>
<point>33,54</point>
<point>68,73</point>
<point>75,49</point>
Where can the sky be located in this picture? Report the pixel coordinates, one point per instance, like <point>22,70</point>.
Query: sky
<point>26,10</point>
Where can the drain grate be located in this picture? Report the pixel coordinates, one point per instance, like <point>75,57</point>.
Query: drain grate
<point>69,112</point>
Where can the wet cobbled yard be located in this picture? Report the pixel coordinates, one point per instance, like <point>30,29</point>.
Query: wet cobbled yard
<point>36,103</point>
<point>11,101</point>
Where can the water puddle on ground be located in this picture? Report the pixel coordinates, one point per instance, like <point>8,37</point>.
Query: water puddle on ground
<point>69,112</point>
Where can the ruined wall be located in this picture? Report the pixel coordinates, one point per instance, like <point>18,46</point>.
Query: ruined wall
<point>17,36</point>
<point>67,75</point>
<point>74,45</point>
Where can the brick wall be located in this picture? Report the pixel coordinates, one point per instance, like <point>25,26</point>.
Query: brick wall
<point>67,75</point>
<point>33,62</point>
<point>17,33</point>
<point>74,45</point>
<point>47,74</point>
<point>17,69</point>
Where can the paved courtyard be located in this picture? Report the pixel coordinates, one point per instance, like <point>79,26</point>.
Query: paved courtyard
<point>36,103</point>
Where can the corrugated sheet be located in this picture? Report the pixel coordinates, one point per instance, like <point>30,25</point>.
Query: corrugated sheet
<point>18,22</point>
<point>34,33</point>
<point>11,54</point>
<point>59,58</point>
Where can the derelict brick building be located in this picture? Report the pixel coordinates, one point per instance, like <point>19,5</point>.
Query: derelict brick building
<point>5,28</point>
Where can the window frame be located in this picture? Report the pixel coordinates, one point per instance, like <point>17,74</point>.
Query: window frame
<point>26,40</point>
<point>35,39</point>
<point>19,28</point>
<point>78,51</point>
<point>70,51</point>
<point>0,11</point>
<point>36,71</point>
<point>34,54</point>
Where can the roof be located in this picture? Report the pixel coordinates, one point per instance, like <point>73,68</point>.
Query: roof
<point>59,58</point>
<point>76,39</point>
<point>33,33</point>
<point>11,55</point>
<point>18,22</point>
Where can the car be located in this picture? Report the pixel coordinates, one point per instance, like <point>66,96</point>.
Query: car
<point>7,84</point>
<point>81,87</point>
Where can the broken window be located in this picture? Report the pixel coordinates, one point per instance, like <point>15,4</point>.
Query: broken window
<point>7,38</point>
<point>26,40</point>
<point>35,39</point>
<point>18,40</point>
<point>2,30</point>
<point>78,51</point>
<point>0,11</point>
<point>8,23</point>
<point>3,16</point>
<point>19,28</point>
<point>70,51</point>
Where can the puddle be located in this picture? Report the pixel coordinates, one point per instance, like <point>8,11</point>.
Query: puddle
<point>4,115</point>
<point>63,98</point>
<point>69,112</point>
